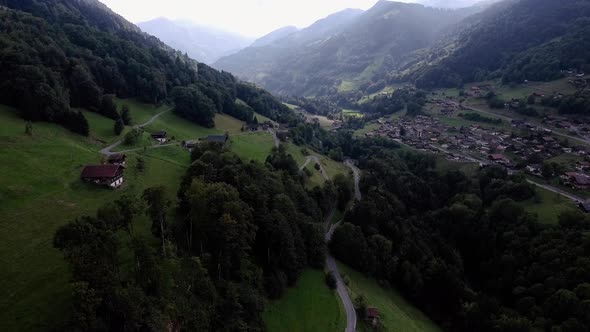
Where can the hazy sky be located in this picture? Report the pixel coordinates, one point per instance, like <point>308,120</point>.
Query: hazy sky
<point>247,17</point>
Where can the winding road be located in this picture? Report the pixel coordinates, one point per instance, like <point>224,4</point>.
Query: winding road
<point>340,286</point>
<point>107,151</point>
<point>357,178</point>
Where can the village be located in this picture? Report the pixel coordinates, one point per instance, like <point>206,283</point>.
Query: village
<point>517,146</point>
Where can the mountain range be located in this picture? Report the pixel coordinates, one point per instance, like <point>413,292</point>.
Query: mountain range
<point>344,50</point>
<point>394,43</point>
<point>202,43</point>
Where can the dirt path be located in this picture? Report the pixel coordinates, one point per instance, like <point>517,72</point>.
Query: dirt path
<point>308,159</point>
<point>275,138</point>
<point>107,151</point>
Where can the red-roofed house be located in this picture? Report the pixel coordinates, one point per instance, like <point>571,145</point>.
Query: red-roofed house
<point>107,175</point>
<point>499,158</point>
<point>373,315</point>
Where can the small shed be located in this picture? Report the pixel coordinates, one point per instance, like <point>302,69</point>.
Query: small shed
<point>117,159</point>
<point>160,136</point>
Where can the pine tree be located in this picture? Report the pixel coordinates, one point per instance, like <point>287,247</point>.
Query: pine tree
<point>126,115</point>
<point>119,126</point>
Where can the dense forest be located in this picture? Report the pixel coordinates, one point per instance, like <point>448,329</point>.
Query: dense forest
<point>463,249</point>
<point>240,233</point>
<point>57,56</point>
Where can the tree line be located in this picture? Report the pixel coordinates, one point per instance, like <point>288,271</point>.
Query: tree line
<point>60,56</point>
<point>236,234</point>
<point>463,249</point>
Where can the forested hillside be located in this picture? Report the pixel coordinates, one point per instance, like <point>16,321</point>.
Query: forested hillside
<point>514,40</point>
<point>361,47</point>
<point>243,232</point>
<point>463,249</point>
<point>58,56</point>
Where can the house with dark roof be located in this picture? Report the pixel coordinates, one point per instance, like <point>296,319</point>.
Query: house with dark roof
<point>221,139</point>
<point>577,180</point>
<point>160,136</point>
<point>253,126</point>
<point>106,175</point>
<point>117,159</point>
<point>189,145</point>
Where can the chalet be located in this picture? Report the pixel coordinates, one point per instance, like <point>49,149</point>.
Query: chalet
<point>372,315</point>
<point>577,180</point>
<point>117,159</point>
<point>253,127</point>
<point>160,136</point>
<point>189,145</point>
<point>583,166</point>
<point>221,139</point>
<point>534,170</point>
<point>499,159</point>
<point>107,175</point>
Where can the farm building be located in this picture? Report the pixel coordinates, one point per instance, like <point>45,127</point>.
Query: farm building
<point>117,159</point>
<point>222,139</point>
<point>372,315</point>
<point>107,175</point>
<point>160,136</point>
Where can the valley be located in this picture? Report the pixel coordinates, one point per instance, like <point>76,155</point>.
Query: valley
<point>418,166</point>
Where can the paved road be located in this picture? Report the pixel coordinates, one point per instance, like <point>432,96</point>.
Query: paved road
<point>107,151</point>
<point>308,159</point>
<point>511,172</point>
<point>558,191</point>
<point>357,179</point>
<point>340,286</point>
<point>582,140</point>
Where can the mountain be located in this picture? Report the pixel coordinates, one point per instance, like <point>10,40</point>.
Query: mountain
<point>202,43</point>
<point>512,40</point>
<point>274,36</point>
<point>348,48</point>
<point>58,56</point>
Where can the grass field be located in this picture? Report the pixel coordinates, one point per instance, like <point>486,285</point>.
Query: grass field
<point>226,123</point>
<point>396,313</point>
<point>308,307</point>
<point>140,112</point>
<point>296,152</point>
<point>252,146</point>
<point>548,206</point>
<point>352,114</point>
<point>369,127</point>
<point>102,129</point>
<point>40,191</point>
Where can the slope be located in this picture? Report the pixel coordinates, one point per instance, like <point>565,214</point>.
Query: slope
<point>202,43</point>
<point>497,42</point>
<point>352,46</point>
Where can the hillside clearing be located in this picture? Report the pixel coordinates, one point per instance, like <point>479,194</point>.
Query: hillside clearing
<point>310,306</point>
<point>396,313</point>
<point>40,191</point>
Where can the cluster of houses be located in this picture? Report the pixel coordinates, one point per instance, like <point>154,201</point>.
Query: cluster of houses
<point>111,173</point>
<point>475,142</point>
